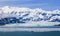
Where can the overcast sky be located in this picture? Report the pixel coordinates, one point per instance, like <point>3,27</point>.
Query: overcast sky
<point>44,4</point>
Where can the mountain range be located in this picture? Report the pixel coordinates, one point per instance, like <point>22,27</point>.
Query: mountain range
<point>24,15</point>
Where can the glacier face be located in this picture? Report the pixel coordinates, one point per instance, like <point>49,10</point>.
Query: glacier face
<point>24,15</point>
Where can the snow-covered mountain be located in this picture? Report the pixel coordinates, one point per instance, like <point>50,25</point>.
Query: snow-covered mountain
<point>24,15</point>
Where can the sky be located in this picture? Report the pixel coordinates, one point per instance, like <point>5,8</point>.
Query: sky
<point>44,4</point>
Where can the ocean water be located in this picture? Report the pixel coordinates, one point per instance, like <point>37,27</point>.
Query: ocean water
<point>31,33</point>
<point>51,33</point>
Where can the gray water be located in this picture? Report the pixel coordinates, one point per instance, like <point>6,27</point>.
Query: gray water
<point>46,31</point>
<point>52,33</point>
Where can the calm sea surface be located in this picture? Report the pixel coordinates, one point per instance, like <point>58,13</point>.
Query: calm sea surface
<point>25,33</point>
<point>52,33</point>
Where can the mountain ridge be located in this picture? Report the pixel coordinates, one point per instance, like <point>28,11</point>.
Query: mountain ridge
<point>27,14</point>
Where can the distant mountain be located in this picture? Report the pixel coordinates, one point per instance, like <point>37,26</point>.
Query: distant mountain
<point>24,15</point>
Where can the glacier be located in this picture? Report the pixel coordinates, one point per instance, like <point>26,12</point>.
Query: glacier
<point>28,17</point>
